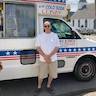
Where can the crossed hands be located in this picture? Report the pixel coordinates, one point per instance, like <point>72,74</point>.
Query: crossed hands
<point>47,59</point>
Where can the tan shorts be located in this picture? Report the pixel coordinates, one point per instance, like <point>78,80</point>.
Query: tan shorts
<point>47,69</point>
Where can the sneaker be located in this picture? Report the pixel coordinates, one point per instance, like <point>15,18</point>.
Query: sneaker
<point>37,92</point>
<point>50,91</point>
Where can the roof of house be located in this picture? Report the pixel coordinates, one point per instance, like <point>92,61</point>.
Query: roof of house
<point>87,12</point>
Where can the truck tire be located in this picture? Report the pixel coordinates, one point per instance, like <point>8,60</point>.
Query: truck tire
<point>85,69</point>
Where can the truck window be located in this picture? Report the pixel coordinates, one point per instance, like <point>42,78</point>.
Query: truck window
<point>19,20</point>
<point>28,57</point>
<point>61,28</point>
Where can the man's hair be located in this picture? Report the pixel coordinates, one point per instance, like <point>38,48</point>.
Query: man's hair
<point>47,22</point>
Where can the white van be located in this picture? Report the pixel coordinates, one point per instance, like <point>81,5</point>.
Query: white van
<point>22,22</point>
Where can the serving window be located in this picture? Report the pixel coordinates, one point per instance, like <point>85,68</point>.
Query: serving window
<point>19,20</point>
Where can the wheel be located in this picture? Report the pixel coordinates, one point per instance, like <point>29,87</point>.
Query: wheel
<point>85,69</point>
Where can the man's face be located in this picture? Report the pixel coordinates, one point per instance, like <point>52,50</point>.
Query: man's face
<point>47,27</point>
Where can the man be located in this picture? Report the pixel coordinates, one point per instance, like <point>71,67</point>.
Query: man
<point>47,45</point>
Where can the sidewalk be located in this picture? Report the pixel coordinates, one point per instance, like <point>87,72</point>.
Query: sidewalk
<point>90,94</point>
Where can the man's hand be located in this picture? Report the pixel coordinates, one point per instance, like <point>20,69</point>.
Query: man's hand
<point>47,59</point>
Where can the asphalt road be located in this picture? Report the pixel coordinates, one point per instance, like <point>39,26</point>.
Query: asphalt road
<point>65,85</point>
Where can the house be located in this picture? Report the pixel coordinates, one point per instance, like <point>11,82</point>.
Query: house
<point>85,17</point>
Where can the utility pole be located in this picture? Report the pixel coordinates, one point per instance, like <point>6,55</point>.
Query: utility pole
<point>95,9</point>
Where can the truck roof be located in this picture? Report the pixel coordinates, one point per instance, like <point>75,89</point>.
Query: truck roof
<point>44,1</point>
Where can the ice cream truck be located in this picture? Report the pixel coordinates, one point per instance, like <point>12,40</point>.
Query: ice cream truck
<point>22,21</point>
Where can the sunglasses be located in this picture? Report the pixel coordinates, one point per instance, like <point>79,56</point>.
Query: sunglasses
<point>47,26</point>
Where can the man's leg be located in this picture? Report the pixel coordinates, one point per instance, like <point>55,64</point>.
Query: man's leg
<point>50,78</point>
<point>40,82</point>
<point>42,73</point>
<point>41,76</point>
<point>38,90</point>
<point>49,86</point>
<point>52,68</point>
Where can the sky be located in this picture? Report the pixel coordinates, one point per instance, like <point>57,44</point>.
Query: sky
<point>74,3</point>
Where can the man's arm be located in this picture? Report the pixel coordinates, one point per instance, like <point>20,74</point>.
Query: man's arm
<point>55,50</point>
<point>40,51</point>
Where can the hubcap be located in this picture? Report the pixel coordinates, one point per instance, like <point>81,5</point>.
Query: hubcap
<point>86,70</point>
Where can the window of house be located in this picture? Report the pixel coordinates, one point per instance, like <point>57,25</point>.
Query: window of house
<point>1,20</point>
<point>73,23</point>
<point>95,24</point>
<point>86,23</point>
<point>78,23</point>
<point>19,20</point>
<point>61,28</point>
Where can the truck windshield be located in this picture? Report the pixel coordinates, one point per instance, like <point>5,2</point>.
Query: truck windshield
<point>19,20</point>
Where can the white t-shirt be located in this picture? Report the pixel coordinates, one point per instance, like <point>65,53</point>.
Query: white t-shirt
<point>47,42</point>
